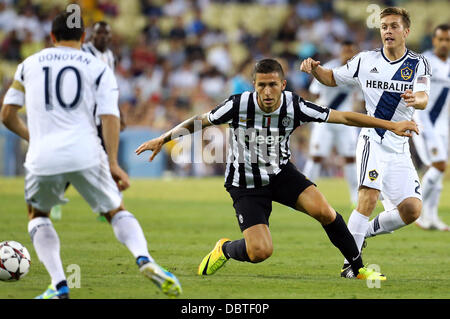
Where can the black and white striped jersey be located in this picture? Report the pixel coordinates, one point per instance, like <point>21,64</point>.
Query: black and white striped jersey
<point>259,141</point>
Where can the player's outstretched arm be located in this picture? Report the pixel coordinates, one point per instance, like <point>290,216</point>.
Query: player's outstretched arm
<point>323,75</point>
<point>13,122</point>
<point>185,128</point>
<point>403,128</point>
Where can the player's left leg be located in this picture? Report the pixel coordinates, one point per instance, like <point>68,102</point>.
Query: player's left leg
<point>292,189</point>
<point>129,232</point>
<point>402,199</point>
<point>98,188</point>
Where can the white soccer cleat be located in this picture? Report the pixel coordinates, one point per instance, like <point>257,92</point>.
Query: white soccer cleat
<point>423,223</point>
<point>165,280</point>
<point>439,225</point>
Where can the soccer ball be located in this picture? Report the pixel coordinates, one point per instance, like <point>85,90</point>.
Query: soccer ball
<point>14,261</point>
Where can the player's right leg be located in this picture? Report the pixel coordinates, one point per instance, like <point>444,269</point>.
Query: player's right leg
<point>98,188</point>
<point>41,194</point>
<point>368,168</point>
<point>253,208</point>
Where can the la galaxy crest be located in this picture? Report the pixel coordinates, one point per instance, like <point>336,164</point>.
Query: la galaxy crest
<point>373,175</point>
<point>406,73</point>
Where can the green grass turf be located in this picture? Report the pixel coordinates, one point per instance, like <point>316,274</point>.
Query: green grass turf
<point>183,218</point>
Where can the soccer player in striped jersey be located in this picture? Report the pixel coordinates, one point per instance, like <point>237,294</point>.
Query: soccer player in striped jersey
<point>259,171</point>
<point>432,144</point>
<point>343,138</point>
<point>60,87</point>
<point>395,81</point>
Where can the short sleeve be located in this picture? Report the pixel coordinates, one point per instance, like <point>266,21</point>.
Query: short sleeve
<point>348,73</point>
<point>222,113</point>
<point>423,74</point>
<point>107,93</point>
<point>311,112</point>
<point>16,92</point>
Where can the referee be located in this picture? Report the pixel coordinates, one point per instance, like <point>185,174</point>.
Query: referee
<point>259,172</point>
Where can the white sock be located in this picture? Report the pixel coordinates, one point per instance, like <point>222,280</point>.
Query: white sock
<point>129,232</point>
<point>352,180</point>
<point>430,182</point>
<point>385,223</point>
<point>357,225</point>
<point>46,243</point>
<point>431,192</point>
<point>312,170</point>
<point>433,203</point>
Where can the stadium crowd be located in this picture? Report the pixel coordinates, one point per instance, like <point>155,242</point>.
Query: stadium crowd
<point>166,74</point>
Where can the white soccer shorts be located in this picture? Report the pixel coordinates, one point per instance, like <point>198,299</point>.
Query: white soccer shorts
<point>326,135</point>
<point>431,146</point>
<point>391,173</point>
<point>94,184</point>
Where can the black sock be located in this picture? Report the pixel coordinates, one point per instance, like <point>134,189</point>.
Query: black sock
<point>61,284</point>
<point>341,237</point>
<point>236,249</point>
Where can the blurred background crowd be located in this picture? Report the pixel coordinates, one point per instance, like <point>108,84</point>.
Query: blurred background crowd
<point>177,58</point>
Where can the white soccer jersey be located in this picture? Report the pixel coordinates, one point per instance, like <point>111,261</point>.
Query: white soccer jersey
<point>382,82</point>
<point>340,98</point>
<point>107,56</point>
<point>439,99</point>
<point>60,87</point>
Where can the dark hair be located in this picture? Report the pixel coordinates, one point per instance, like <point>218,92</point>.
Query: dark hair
<point>399,12</point>
<point>62,30</point>
<point>268,66</point>
<point>101,24</point>
<point>443,27</point>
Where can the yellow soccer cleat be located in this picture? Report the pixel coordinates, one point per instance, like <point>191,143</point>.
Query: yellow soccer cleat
<point>214,260</point>
<point>370,274</point>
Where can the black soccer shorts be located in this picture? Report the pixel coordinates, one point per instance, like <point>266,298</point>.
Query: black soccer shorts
<point>254,205</point>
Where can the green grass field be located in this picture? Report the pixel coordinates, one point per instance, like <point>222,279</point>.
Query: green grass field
<point>183,218</point>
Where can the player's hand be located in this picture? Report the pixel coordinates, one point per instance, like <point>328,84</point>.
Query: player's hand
<point>120,177</point>
<point>409,98</point>
<point>309,65</point>
<point>154,145</point>
<point>405,128</point>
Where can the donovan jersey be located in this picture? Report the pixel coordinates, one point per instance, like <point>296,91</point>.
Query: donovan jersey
<point>60,87</point>
<point>259,141</point>
<point>339,98</point>
<point>382,82</point>
<point>439,99</point>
